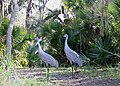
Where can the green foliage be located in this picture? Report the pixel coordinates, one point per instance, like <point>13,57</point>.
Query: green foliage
<point>20,45</point>
<point>10,78</point>
<point>4,27</point>
<point>3,30</point>
<point>33,58</point>
<point>82,37</point>
<point>101,72</point>
<point>52,35</point>
<point>98,55</point>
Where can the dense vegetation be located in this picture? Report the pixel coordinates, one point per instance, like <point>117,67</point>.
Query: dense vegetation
<point>93,30</point>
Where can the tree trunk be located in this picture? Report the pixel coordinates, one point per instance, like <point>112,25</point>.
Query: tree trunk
<point>1,11</point>
<point>102,19</point>
<point>28,13</point>
<point>9,32</point>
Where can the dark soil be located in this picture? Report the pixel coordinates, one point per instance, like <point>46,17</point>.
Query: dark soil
<point>65,79</point>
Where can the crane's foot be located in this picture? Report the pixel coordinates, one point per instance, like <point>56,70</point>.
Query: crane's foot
<point>73,76</point>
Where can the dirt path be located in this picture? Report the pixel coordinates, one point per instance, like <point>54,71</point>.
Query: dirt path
<point>63,78</point>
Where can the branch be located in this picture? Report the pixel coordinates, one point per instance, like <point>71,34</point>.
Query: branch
<point>40,7</point>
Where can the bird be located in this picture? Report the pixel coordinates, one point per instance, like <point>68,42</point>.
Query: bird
<point>45,57</point>
<point>71,55</point>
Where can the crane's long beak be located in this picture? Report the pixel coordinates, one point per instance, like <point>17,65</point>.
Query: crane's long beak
<point>36,43</point>
<point>36,51</point>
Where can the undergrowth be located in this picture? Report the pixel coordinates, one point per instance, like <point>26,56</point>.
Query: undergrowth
<point>9,77</point>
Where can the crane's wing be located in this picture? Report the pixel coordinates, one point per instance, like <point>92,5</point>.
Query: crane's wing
<point>50,60</point>
<point>85,59</point>
<point>71,55</point>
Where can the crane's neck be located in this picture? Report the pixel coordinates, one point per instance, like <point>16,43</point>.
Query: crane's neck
<point>39,48</point>
<point>66,41</point>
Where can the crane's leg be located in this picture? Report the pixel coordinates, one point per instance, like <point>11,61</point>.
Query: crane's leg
<point>73,72</point>
<point>47,73</point>
<point>72,69</point>
<point>75,68</point>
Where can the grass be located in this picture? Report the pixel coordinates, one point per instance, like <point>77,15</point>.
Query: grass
<point>10,78</point>
<point>106,72</point>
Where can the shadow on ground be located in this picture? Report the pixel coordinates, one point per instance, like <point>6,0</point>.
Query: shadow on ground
<point>62,77</point>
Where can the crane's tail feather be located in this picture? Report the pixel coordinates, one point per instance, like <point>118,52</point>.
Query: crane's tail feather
<point>84,58</point>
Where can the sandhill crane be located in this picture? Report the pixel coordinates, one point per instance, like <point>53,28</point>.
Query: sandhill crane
<point>71,55</point>
<point>48,59</point>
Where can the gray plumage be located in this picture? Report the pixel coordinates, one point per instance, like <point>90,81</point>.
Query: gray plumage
<point>47,58</point>
<point>71,55</point>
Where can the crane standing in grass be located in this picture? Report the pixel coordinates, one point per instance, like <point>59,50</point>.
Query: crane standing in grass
<point>48,59</point>
<point>71,55</point>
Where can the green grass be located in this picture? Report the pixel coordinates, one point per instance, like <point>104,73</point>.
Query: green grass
<point>8,78</point>
<point>106,72</point>
<point>95,72</point>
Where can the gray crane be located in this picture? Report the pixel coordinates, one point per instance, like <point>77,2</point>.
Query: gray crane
<point>48,59</point>
<point>71,55</point>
